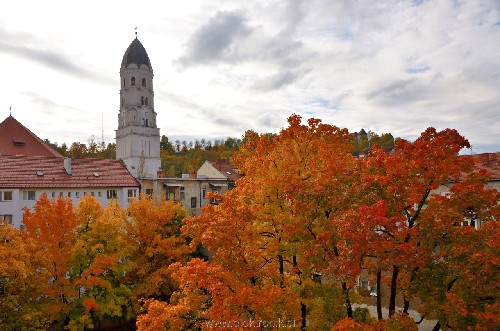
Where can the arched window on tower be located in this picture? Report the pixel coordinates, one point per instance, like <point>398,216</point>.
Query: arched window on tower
<point>142,100</point>
<point>132,81</point>
<point>146,101</point>
<point>144,82</point>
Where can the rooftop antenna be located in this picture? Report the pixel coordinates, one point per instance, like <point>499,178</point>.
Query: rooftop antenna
<point>102,127</point>
<point>136,32</point>
<point>10,111</point>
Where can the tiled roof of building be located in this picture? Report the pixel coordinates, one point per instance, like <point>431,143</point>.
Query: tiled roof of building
<point>16,139</point>
<point>226,168</point>
<point>489,162</point>
<point>136,53</point>
<point>18,171</point>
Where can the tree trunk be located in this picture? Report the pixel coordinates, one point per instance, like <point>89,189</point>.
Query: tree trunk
<point>348,305</point>
<point>406,306</point>
<point>392,298</point>
<point>303,314</point>
<point>379,295</point>
<point>437,327</point>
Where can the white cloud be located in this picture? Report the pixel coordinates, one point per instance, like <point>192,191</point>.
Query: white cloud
<point>223,67</point>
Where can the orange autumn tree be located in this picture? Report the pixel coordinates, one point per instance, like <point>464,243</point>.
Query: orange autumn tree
<point>155,238</point>
<point>51,225</point>
<point>22,274</point>
<point>265,261</point>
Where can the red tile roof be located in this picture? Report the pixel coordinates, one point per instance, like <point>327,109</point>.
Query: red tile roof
<point>489,162</point>
<point>18,171</point>
<point>16,139</point>
<point>226,168</point>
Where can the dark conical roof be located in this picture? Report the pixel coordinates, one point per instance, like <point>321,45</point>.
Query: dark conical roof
<point>136,53</point>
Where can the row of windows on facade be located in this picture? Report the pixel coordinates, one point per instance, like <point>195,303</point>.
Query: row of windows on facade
<point>145,121</point>
<point>182,195</point>
<point>31,196</point>
<point>144,101</point>
<point>132,81</point>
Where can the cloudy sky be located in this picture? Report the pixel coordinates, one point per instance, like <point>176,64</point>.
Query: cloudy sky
<point>223,67</point>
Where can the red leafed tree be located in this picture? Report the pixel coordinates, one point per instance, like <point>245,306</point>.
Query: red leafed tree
<point>414,234</point>
<point>52,225</point>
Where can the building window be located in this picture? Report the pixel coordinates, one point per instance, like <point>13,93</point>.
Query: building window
<point>69,194</point>
<point>77,194</point>
<point>193,202</point>
<point>132,193</point>
<point>142,101</point>
<point>214,200</point>
<point>92,194</point>
<point>5,195</point>
<point>132,81</point>
<point>144,82</point>
<point>146,101</point>
<point>170,193</point>
<point>6,218</point>
<point>53,195</point>
<point>99,194</point>
<point>204,192</point>
<point>111,194</point>
<point>183,196</point>
<point>60,194</point>
<point>149,192</point>
<point>28,195</point>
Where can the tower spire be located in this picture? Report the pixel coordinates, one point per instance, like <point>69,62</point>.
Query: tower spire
<point>136,32</point>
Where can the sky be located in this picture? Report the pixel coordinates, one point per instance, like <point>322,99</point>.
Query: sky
<point>224,67</point>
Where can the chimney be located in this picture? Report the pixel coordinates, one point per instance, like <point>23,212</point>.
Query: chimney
<point>67,165</point>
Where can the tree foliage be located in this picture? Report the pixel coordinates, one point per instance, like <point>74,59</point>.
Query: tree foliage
<point>287,244</point>
<point>76,267</point>
<point>307,210</point>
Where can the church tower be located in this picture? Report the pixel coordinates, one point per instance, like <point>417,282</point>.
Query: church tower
<point>137,137</point>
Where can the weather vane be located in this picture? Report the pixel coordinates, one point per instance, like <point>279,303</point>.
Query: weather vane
<point>136,32</point>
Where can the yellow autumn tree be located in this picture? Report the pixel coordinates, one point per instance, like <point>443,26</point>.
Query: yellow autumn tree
<point>100,262</point>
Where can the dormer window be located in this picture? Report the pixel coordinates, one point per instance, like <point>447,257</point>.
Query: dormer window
<point>144,82</point>
<point>19,142</point>
<point>132,81</point>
